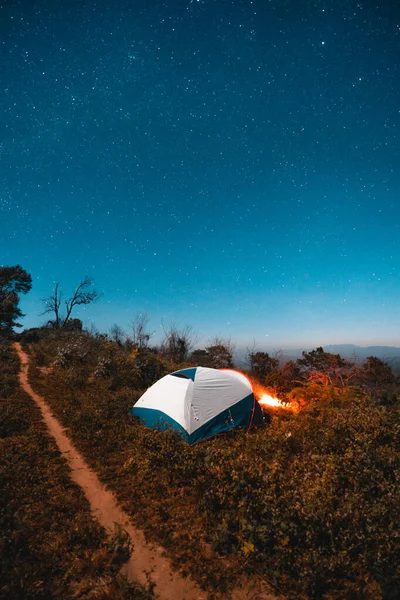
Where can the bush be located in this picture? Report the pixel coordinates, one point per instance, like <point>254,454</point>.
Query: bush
<point>309,502</point>
<point>71,354</point>
<point>50,545</point>
<point>314,507</point>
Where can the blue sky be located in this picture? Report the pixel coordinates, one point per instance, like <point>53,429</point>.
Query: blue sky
<point>229,165</point>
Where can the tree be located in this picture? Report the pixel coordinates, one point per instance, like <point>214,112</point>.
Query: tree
<point>319,360</point>
<point>13,282</point>
<point>375,373</point>
<point>53,303</point>
<point>81,296</point>
<point>117,334</point>
<point>325,368</point>
<point>219,357</point>
<point>220,353</point>
<point>199,357</point>
<point>73,325</point>
<point>285,378</point>
<point>178,343</point>
<point>261,364</point>
<point>140,336</point>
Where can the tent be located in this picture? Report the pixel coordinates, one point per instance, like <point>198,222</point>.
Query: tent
<point>199,402</point>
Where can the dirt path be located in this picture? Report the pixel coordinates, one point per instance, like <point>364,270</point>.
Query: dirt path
<point>145,558</point>
<point>146,561</point>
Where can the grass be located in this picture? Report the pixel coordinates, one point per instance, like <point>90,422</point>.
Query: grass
<point>309,503</point>
<point>50,546</point>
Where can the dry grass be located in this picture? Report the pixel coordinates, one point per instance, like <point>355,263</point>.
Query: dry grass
<point>50,546</point>
<point>309,502</point>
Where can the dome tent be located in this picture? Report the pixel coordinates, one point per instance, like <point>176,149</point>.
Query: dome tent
<point>199,402</point>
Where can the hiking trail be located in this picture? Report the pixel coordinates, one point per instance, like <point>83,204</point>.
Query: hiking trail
<point>146,562</point>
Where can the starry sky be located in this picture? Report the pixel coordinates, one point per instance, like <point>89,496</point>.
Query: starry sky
<point>228,164</point>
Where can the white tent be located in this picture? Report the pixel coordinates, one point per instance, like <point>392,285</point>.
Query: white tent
<point>199,402</point>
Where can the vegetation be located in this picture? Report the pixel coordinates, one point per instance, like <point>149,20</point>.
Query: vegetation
<point>13,282</point>
<point>50,546</point>
<point>82,296</point>
<point>308,502</point>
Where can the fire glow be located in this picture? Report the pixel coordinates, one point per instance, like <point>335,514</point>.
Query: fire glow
<point>267,400</point>
<point>261,393</point>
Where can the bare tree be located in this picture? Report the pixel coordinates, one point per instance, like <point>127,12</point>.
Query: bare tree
<point>53,304</point>
<point>228,343</point>
<point>81,296</point>
<point>250,350</point>
<point>140,336</point>
<point>178,343</point>
<point>117,334</point>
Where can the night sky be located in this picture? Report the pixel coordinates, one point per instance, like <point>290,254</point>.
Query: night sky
<point>228,164</point>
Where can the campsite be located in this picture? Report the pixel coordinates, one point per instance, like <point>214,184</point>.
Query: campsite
<point>304,504</point>
<point>199,300</point>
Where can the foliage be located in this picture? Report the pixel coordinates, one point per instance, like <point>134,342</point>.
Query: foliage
<point>13,282</point>
<point>50,545</point>
<point>177,343</point>
<point>71,354</point>
<point>117,334</point>
<point>217,355</point>
<point>309,502</point>
<point>199,357</point>
<point>262,364</point>
<point>285,378</point>
<point>317,501</point>
<point>319,360</point>
<point>137,369</point>
<point>140,337</point>
<point>8,368</point>
<point>326,368</point>
<point>375,373</point>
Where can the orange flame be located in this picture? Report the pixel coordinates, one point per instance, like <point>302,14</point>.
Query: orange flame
<point>264,397</point>
<point>267,400</point>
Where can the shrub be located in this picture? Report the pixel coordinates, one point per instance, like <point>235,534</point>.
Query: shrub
<point>309,502</point>
<point>71,354</point>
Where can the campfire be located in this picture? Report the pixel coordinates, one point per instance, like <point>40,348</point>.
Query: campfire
<point>266,399</point>
<point>263,394</point>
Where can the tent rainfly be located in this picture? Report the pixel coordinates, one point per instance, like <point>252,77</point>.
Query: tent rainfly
<point>199,403</point>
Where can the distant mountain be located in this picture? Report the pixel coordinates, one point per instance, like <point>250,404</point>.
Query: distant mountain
<point>390,354</point>
<point>362,352</point>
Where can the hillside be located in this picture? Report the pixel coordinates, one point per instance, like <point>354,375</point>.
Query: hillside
<point>307,503</point>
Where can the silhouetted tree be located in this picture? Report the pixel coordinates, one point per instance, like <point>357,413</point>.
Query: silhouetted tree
<point>220,353</point>
<point>140,336</point>
<point>13,282</point>
<point>219,357</point>
<point>319,360</point>
<point>53,304</point>
<point>261,364</point>
<point>375,373</point>
<point>290,375</point>
<point>81,296</point>
<point>177,343</point>
<point>326,369</point>
<point>73,325</point>
<point>117,334</point>
<point>200,358</point>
